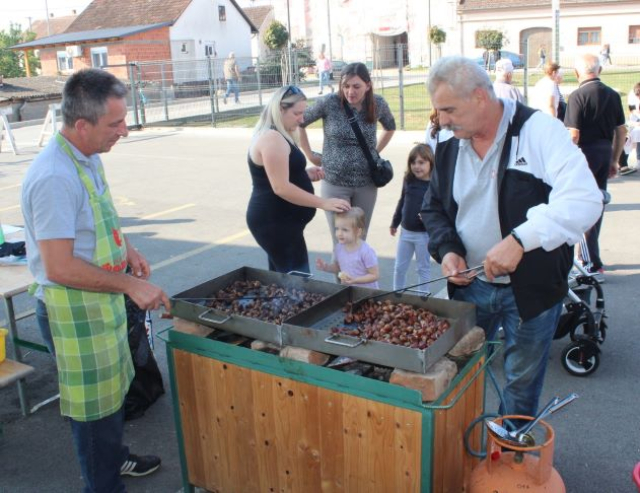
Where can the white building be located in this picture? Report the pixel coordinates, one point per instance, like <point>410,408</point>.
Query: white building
<point>352,30</point>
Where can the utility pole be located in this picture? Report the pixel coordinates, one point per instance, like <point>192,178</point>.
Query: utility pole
<point>329,31</point>
<point>289,44</point>
<point>46,7</point>
<point>429,30</point>
<point>555,16</point>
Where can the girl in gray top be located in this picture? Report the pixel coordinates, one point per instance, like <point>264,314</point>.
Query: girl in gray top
<point>345,167</point>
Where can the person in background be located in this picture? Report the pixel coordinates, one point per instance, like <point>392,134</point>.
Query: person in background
<point>633,103</point>
<point>78,255</point>
<point>414,239</point>
<point>232,77</point>
<point>323,67</point>
<point>346,170</point>
<point>282,201</point>
<point>354,261</point>
<point>605,55</point>
<point>542,56</point>
<point>435,133</point>
<point>595,119</point>
<point>546,93</point>
<point>510,192</point>
<point>503,85</point>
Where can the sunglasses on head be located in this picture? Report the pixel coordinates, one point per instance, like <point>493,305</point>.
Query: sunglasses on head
<point>292,91</point>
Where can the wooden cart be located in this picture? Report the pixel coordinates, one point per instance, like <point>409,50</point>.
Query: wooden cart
<point>249,421</point>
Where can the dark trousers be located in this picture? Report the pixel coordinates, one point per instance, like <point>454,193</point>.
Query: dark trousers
<point>98,443</point>
<point>284,244</point>
<point>598,156</point>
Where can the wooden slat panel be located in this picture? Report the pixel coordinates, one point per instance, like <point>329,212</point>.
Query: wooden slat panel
<point>451,463</point>
<point>249,431</point>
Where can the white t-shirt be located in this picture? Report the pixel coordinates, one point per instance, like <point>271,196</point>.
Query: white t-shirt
<point>542,91</point>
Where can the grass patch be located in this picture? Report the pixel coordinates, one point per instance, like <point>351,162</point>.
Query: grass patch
<point>417,103</point>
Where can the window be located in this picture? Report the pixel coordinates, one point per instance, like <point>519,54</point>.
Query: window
<point>634,35</point>
<point>99,57</point>
<point>589,36</point>
<point>65,62</point>
<point>222,13</point>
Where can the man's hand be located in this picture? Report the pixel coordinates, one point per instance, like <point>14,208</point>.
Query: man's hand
<point>503,258</point>
<point>613,169</point>
<point>139,266</point>
<point>146,295</point>
<point>452,264</point>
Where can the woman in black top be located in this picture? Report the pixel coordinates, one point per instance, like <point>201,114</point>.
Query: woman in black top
<point>413,237</point>
<point>282,201</point>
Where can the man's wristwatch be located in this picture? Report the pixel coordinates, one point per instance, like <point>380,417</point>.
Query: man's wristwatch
<point>517,238</point>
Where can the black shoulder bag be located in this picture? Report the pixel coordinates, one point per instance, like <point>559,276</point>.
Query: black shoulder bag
<point>381,169</point>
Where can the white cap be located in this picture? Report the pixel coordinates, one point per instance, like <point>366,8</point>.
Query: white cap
<point>504,65</point>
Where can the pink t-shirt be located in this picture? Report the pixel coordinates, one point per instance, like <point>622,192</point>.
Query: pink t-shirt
<point>356,263</point>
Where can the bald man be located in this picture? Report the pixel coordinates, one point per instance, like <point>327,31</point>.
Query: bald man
<point>596,122</point>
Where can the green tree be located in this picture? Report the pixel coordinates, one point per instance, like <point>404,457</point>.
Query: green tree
<point>276,36</point>
<point>437,36</point>
<point>492,41</point>
<point>12,62</point>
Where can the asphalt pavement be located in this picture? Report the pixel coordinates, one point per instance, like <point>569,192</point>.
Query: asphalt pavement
<point>182,195</point>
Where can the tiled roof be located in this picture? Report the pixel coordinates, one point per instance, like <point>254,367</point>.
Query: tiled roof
<point>93,35</point>
<point>103,14</point>
<point>468,5</point>
<point>41,87</point>
<point>57,25</point>
<point>257,15</point>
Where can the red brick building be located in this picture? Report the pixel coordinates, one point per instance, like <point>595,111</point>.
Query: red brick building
<point>115,33</point>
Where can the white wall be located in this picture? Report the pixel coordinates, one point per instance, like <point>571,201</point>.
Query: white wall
<point>199,25</point>
<point>614,21</point>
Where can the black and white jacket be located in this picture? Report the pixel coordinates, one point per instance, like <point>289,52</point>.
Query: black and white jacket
<point>546,193</point>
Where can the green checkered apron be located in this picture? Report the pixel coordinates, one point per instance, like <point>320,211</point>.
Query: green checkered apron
<point>90,329</point>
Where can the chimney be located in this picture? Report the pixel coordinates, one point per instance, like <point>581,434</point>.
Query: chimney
<point>51,15</point>
<point>73,12</point>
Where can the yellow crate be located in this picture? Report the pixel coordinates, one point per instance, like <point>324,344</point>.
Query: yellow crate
<point>3,336</point>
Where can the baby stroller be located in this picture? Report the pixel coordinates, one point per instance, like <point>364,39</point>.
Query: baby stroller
<point>584,322</point>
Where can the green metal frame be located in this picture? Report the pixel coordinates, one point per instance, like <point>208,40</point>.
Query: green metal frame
<point>321,377</point>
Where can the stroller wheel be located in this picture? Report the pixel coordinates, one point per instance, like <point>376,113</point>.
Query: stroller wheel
<point>581,358</point>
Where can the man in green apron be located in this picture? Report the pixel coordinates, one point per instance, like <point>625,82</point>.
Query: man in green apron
<point>78,256</point>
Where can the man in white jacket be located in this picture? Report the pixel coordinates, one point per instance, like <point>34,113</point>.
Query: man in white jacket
<point>509,191</point>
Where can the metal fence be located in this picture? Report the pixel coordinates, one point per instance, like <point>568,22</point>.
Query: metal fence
<point>193,92</point>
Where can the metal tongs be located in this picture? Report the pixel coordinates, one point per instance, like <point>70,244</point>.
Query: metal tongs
<point>474,271</point>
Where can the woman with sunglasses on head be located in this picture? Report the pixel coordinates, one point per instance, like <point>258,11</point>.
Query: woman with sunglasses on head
<point>283,201</point>
<point>346,170</point>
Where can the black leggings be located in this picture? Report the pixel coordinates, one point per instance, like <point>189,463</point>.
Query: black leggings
<point>284,244</point>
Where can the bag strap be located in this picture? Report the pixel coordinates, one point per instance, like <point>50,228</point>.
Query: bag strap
<point>351,118</point>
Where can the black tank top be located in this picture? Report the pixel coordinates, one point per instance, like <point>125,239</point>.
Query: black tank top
<point>264,198</point>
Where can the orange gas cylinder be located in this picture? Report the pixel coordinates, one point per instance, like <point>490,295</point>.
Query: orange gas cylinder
<point>512,469</point>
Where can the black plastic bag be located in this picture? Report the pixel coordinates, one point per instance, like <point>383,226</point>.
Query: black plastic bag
<point>147,385</point>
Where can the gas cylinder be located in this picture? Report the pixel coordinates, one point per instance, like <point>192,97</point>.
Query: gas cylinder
<point>509,468</point>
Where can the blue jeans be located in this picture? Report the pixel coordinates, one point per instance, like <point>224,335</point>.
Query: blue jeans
<point>526,343</point>
<point>98,443</point>
<point>323,79</point>
<point>410,243</point>
<point>232,86</point>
